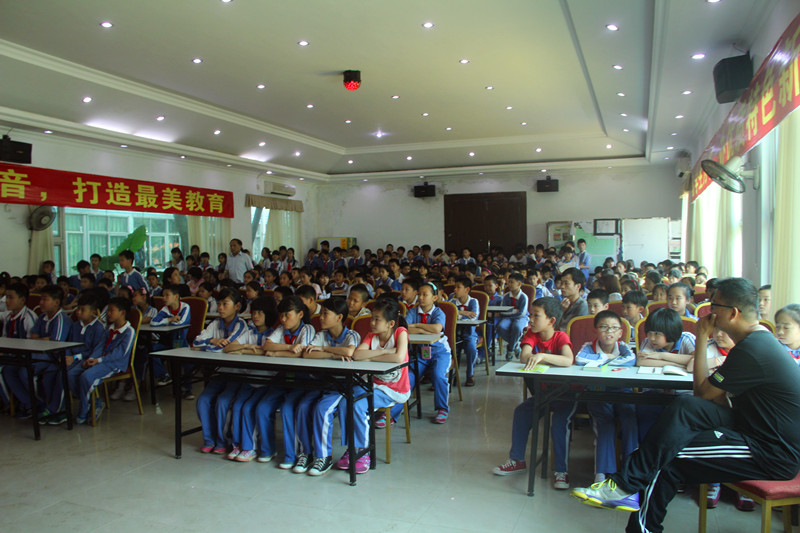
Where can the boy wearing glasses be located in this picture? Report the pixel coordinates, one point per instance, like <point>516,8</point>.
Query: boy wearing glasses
<point>607,348</point>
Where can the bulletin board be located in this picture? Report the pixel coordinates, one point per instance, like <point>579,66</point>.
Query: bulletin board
<point>598,247</point>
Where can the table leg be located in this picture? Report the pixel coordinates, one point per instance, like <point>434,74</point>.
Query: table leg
<point>67,394</point>
<point>351,430</point>
<point>176,392</point>
<point>32,397</point>
<point>534,435</point>
<point>370,409</point>
<point>417,388</point>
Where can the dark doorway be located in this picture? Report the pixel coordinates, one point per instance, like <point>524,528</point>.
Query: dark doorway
<point>478,221</point>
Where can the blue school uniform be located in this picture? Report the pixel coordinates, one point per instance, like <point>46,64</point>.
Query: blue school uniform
<point>397,284</point>
<point>134,280</point>
<point>214,402</point>
<point>794,353</point>
<point>243,407</point>
<point>15,326</point>
<point>605,415</point>
<point>282,398</point>
<point>178,337</point>
<point>75,281</point>
<point>439,360</point>
<point>115,357</point>
<point>467,336</point>
<point>155,291</point>
<point>687,313</point>
<point>355,262</point>
<point>511,324</point>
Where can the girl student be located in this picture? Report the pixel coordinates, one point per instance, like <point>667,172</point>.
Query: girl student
<point>334,341</point>
<point>177,260</point>
<point>426,318</point>
<point>214,401</point>
<point>787,329</point>
<point>387,342</point>
<point>294,333</point>
<point>264,315</point>
<point>252,291</point>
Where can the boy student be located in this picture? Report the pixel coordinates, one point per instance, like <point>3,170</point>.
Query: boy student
<point>764,301</point>
<point>678,296</point>
<point>466,336</point>
<point>131,277</point>
<point>355,258</point>
<point>309,297</point>
<point>596,301</point>
<point>95,269</point>
<point>174,313</point>
<point>634,304</point>
<point>52,325</point>
<point>572,303</point>
<point>339,286</point>
<point>357,301</point>
<point>651,279</point>
<point>83,267</point>
<point>541,344</point>
<point>153,287</point>
<point>359,278</point>
<point>409,293</point>
<point>84,377</point>
<point>510,325</point>
<point>48,271</point>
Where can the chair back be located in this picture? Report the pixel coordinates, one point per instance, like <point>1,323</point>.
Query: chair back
<point>657,304</point>
<point>703,309</point>
<point>700,294</point>
<point>198,307</point>
<point>450,319</point>
<point>530,292</point>
<point>448,289</point>
<point>361,325</point>
<point>483,303</point>
<point>159,302</point>
<point>269,293</point>
<point>689,325</point>
<point>371,305</point>
<point>616,307</point>
<point>348,322</point>
<point>580,330</point>
<point>135,319</point>
<point>767,324</point>
<point>640,335</point>
<point>317,323</point>
<point>33,300</point>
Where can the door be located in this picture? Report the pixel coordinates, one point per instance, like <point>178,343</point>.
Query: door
<point>479,221</point>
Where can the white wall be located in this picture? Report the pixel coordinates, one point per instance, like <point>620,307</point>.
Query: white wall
<point>377,213</point>
<point>50,151</point>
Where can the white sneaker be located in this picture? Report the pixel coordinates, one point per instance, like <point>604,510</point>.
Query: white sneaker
<point>560,480</point>
<point>130,396</point>
<point>119,392</point>
<point>599,478</point>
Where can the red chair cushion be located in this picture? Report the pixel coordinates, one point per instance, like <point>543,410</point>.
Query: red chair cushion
<point>773,490</point>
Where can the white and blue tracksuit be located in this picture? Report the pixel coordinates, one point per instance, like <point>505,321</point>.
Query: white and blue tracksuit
<point>439,361</point>
<point>178,337</point>
<point>282,398</point>
<point>114,359</point>
<point>55,328</point>
<point>467,336</point>
<point>511,324</point>
<point>214,401</point>
<point>134,280</point>
<point>605,415</point>
<point>15,326</point>
<point>243,407</point>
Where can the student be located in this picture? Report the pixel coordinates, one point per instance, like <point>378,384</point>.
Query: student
<point>214,401</point>
<point>542,343</point>
<point>409,293</point>
<point>94,269</point>
<point>383,278</point>
<point>572,283</point>
<point>294,333</point>
<point>426,318</point>
<point>270,275</point>
<point>607,349</point>
<point>52,325</point>
<point>84,377</point>
<point>388,343</point>
<point>252,291</point>
<point>361,279</point>
<point>177,260</point>
<point>130,277</point>
<point>339,286</point>
<point>83,267</point>
<point>651,279</point>
<point>660,292</point>
<point>70,300</point>
<point>48,271</point>
<point>596,301</point>
<point>206,292</point>
<point>467,336</point>
<point>357,301</point>
<point>264,313</point>
<point>764,301</point>
<point>634,305</point>
<point>678,297</point>
<point>316,409</point>
<point>510,325</point>
<point>174,313</point>
<point>465,258</point>
<point>195,276</point>
<point>355,259</point>
<point>153,286</point>
<point>787,329</point>
<point>309,297</point>
<point>305,279</point>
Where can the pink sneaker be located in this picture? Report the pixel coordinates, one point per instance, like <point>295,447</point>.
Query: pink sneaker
<point>441,417</point>
<point>344,462</point>
<point>380,422</point>
<point>220,450</point>
<point>206,449</point>
<point>362,464</point>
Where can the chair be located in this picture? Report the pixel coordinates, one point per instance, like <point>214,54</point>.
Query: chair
<point>317,323</point>
<point>387,412</point>
<point>159,302</point>
<point>483,342</point>
<point>699,296</point>
<point>616,307</point>
<point>361,325</point>
<point>639,333</point>
<point>689,325</point>
<point>451,317</point>
<point>703,309</point>
<point>768,494</point>
<point>33,300</point>
<point>135,318</point>
<point>767,324</point>
<point>269,293</point>
<point>580,331</point>
<point>658,304</point>
<point>198,308</point>
<point>370,305</point>
<point>448,289</point>
<point>530,292</point>
<point>348,322</point>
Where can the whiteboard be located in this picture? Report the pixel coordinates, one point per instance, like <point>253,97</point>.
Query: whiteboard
<point>645,239</point>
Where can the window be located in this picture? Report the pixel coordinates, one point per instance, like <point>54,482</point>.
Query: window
<point>260,227</point>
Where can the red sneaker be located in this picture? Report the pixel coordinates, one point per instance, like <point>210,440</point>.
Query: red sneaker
<point>510,467</point>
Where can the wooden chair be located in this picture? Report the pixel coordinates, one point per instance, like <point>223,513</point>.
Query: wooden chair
<point>451,316</point>
<point>768,494</point>
<point>387,411</point>
<point>767,324</point>
<point>361,325</point>
<point>657,304</point>
<point>198,307</point>
<point>530,292</point>
<point>135,318</point>
<point>483,342</point>
<point>703,309</point>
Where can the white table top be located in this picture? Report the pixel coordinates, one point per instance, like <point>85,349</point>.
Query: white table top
<point>499,308</point>
<point>214,316</point>
<point>469,322</point>
<point>35,345</point>
<point>623,377</point>
<point>281,363</point>
<point>163,329</point>
<point>423,338</point>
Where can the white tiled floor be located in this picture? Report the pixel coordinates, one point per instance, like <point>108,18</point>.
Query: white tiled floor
<point>121,476</point>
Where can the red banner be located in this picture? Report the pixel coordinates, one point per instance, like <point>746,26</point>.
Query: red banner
<point>21,184</point>
<point>773,93</point>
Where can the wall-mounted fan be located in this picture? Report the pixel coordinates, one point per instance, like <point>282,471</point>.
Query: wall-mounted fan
<point>41,218</point>
<point>730,176</point>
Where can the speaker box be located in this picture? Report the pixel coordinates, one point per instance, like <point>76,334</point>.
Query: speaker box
<point>15,152</point>
<point>547,185</point>
<point>732,75</point>
<point>424,191</point>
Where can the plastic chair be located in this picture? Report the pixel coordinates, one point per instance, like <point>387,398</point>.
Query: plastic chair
<point>198,308</point>
<point>657,304</point>
<point>361,325</point>
<point>703,309</point>
<point>451,317</point>
<point>135,318</point>
<point>530,292</point>
<point>387,412</point>
<point>768,494</point>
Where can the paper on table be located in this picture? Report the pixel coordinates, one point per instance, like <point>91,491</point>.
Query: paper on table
<point>673,370</point>
<point>537,369</point>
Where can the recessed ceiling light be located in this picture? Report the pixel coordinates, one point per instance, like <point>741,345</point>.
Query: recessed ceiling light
<point>87,99</point>
<point>472,154</point>
<point>674,133</point>
<point>612,27</point>
<point>698,56</point>
<point>620,94</point>
<point>523,123</point>
<point>678,116</point>
<point>262,143</point>
<point>464,61</point>
<point>297,154</point>
<point>626,130</point>
<point>687,91</point>
<point>302,43</point>
<point>617,67</point>
<point>228,165</point>
<point>227,1</point>
<point>666,158</point>
<point>197,60</point>
<point>489,87</point>
<point>448,128</point>
<point>302,179</point>
<point>348,121</point>
<point>217,132</point>
<point>544,170</point>
<point>123,145</point>
<point>183,157</point>
<point>608,147</point>
<point>160,118</point>
<point>712,1</point>
<point>261,86</point>
<point>610,167</point>
<point>538,150</point>
<point>365,180</point>
<point>426,114</point>
<point>395,96</point>
<point>309,106</point>
<point>48,131</point>
<point>106,24</point>
<point>409,158</point>
<point>427,25</point>
<point>670,147</point>
<point>349,161</point>
<point>269,172</point>
<point>422,177</point>
<point>379,134</point>
<point>509,108</point>
<point>623,114</point>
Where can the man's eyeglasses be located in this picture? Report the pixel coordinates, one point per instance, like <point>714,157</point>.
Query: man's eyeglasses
<point>722,305</point>
<point>606,329</point>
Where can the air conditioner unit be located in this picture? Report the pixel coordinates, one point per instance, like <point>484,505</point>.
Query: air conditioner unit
<point>280,189</point>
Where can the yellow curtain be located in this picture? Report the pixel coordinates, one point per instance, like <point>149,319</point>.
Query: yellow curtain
<point>786,234</point>
<point>211,234</point>
<point>283,229</point>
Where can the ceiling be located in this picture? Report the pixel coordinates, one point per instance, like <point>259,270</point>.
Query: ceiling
<point>549,61</point>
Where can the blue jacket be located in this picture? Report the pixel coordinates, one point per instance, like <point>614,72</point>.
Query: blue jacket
<point>134,280</point>
<point>218,330</point>
<point>520,304</point>
<point>21,324</point>
<point>55,329</point>
<point>162,319</point>
<point>117,351</point>
<point>93,336</point>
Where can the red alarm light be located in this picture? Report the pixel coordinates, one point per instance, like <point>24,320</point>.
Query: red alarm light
<point>352,80</point>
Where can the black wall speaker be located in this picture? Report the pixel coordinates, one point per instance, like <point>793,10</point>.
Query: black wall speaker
<point>14,151</point>
<point>547,185</point>
<point>732,75</point>
<point>424,191</point>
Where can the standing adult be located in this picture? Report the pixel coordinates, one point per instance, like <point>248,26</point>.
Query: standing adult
<point>699,438</point>
<point>238,262</point>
